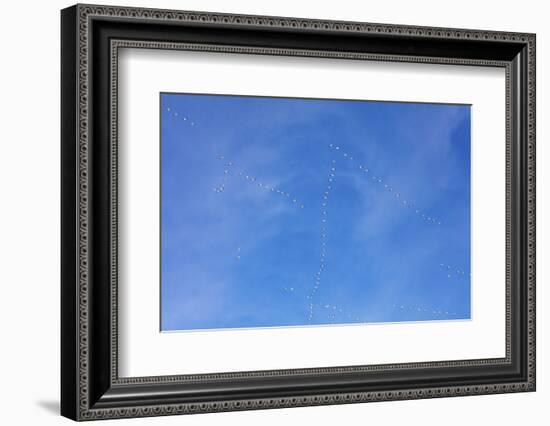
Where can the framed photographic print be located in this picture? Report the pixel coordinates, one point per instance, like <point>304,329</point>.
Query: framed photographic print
<point>263,212</point>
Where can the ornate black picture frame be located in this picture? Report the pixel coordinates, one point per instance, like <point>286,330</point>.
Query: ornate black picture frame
<point>90,38</point>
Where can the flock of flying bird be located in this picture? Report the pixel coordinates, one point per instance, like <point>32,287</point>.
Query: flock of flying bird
<point>332,311</point>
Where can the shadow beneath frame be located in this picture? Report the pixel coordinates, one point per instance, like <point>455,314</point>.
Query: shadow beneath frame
<point>51,406</point>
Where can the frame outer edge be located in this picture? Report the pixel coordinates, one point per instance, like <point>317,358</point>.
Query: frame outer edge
<point>84,193</point>
<point>531,200</point>
<point>68,181</point>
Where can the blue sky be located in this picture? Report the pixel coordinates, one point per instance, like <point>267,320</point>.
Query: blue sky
<point>292,212</point>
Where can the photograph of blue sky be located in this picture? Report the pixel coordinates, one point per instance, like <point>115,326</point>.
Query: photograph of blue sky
<point>283,212</point>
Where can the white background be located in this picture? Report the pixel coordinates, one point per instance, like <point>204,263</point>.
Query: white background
<point>146,352</point>
<point>29,225</point>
